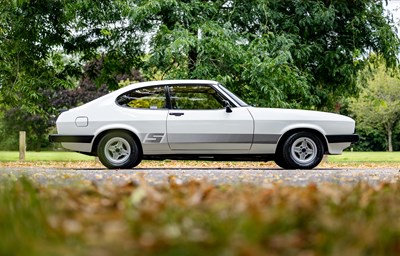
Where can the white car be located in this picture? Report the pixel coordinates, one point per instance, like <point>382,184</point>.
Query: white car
<point>198,119</point>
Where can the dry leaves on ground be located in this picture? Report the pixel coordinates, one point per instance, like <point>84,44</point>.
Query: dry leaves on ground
<point>198,218</point>
<point>190,164</point>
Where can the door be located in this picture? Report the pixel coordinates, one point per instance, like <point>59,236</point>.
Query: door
<point>198,121</point>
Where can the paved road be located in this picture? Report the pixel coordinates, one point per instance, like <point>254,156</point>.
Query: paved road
<point>264,177</point>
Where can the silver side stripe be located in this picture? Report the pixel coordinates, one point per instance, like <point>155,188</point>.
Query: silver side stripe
<point>266,138</point>
<point>224,138</point>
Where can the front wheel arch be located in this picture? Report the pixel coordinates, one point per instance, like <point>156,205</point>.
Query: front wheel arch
<point>281,157</point>
<point>289,133</point>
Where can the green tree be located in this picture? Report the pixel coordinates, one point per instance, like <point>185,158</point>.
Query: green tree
<point>44,46</point>
<point>378,106</point>
<point>273,53</point>
<point>29,33</point>
<point>333,41</point>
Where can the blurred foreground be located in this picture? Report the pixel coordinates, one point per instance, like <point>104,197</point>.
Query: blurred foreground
<point>198,218</point>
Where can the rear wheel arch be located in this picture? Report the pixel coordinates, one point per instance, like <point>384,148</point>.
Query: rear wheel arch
<point>104,133</point>
<point>118,149</point>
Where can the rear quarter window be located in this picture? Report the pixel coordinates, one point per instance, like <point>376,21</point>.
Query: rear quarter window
<point>144,98</point>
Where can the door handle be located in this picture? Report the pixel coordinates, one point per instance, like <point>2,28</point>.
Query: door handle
<point>176,114</point>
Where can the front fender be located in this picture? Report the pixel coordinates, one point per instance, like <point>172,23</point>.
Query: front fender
<point>306,126</point>
<point>290,129</point>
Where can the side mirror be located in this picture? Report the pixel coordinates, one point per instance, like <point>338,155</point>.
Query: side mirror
<point>227,106</point>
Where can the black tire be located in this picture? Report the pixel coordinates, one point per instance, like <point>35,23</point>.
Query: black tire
<point>118,150</point>
<point>279,161</point>
<point>302,150</point>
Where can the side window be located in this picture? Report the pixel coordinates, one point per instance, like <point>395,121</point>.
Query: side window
<point>149,97</point>
<point>195,97</point>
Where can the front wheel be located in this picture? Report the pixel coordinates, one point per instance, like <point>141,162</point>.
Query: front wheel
<point>302,150</point>
<point>118,150</point>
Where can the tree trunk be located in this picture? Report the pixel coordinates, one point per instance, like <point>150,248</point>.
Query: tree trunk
<point>390,144</point>
<point>192,61</point>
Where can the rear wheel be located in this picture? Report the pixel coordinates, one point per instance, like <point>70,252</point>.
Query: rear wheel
<point>118,150</point>
<point>302,150</point>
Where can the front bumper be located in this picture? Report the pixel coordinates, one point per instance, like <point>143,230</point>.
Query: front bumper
<point>342,138</point>
<point>71,138</point>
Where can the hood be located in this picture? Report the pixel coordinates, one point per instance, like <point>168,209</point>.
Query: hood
<point>296,115</point>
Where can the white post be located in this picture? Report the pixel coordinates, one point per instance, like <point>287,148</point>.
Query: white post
<point>22,145</point>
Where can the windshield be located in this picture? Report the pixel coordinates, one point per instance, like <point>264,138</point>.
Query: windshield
<point>233,96</point>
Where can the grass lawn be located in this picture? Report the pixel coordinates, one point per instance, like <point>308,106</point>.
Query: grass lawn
<point>375,157</point>
<point>7,156</point>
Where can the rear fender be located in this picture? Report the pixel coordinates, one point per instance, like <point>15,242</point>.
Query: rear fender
<point>115,127</point>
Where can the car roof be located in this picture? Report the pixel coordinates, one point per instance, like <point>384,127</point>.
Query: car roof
<point>167,82</point>
<point>129,87</point>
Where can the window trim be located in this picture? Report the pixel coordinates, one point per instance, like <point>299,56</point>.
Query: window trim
<point>238,101</point>
<point>220,90</point>
<point>193,85</point>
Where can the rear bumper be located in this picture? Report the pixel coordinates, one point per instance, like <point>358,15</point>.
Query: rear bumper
<point>352,138</point>
<point>71,138</point>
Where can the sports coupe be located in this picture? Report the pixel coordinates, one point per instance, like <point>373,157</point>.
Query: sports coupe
<point>198,119</point>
